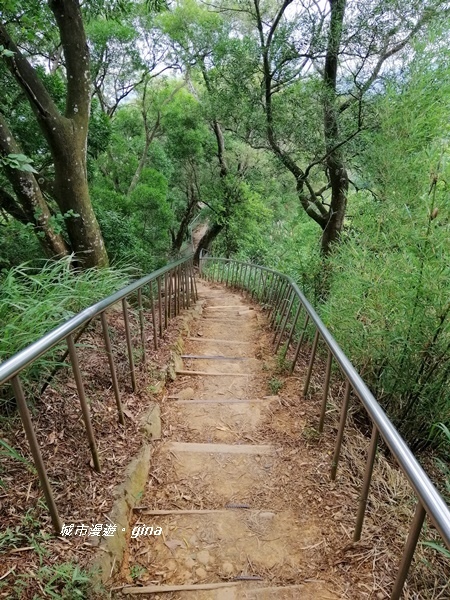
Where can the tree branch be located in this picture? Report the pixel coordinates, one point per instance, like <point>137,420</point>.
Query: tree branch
<point>76,53</point>
<point>27,78</point>
<point>383,58</point>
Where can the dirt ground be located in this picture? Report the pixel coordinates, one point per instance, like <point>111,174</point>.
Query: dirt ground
<point>244,474</point>
<point>240,473</point>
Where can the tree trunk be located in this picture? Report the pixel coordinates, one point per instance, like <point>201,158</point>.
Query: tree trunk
<point>66,134</point>
<point>337,173</point>
<point>207,240</point>
<point>33,207</point>
<point>177,239</point>
<point>338,205</point>
<point>72,196</point>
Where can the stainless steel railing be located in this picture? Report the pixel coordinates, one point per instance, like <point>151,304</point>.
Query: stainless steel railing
<point>286,302</point>
<point>169,290</point>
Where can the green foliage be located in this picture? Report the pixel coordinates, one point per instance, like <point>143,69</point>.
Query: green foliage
<point>17,244</point>
<point>444,467</point>
<point>63,581</point>
<point>18,161</point>
<point>137,571</point>
<point>100,131</point>
<point>37,297</point>
<point>5,52</point>
<point>8,451</point>
<point>388,302</point>
<point>275,385</point>
<point>66,580</point>
<point>247,228</point>
<point>135,227</point>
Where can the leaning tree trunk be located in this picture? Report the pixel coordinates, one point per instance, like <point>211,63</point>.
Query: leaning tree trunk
<point>177,238</point>
<point>207,240</point>
<point>32,208</point>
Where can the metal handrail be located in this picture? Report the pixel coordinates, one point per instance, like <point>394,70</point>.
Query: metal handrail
<point>430,502</point>
<point>25,357</point>
<point>174,286</point>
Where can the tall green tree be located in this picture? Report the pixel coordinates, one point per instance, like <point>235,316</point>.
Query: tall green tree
<point>194,34</point>
<point>296,78</point>
<point>65,131</point>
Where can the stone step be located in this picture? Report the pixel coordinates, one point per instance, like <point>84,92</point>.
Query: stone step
<point>239,591</point>
<point>204,548</point>
<point>221,448</point>
<point>219,341</point>
<point>309,590</point>
<point>213,357</point>
<point>223,401</point>
<point>212,373</point>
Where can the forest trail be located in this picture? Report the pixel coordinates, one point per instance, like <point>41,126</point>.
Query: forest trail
<point>233,528</point>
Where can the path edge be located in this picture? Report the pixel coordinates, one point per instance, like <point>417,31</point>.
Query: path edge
<point>110,550</point>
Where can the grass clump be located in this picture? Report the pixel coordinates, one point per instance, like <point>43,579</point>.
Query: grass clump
<point>37,297</point>
<point>275,385</point>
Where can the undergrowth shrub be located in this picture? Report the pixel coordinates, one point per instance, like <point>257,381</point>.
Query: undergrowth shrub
<point>36,297</point>
<point>389,298</point>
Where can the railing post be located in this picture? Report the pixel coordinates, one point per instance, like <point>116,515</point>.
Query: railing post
<point>126,321</point>
<point>169,310</point>
<point>83,402</point>
<point>245,275</point>
<point>176,291</point>
<point>112,368</point>
<point>253,272</point>
<point>273,291</point>
<point>274,298</point>
<point>152,304</point>
<point>408,552</point>
<point>230,274</point>
<point>183,279</point>
<point>281,314</point>
<point>278,303</point>
<point>36,452</point>
<point>340,435</point>
<point>142,325</point>
<point>179,289</point>
<point>236,272</point>
<point>294,323</point>
<point>160,318</point>
<point>260,287</point>
<point>216,277</point>
<point>194,281</point>
<point>299,343</point>
<point>166,309</point>
<point>366,484</point>
<point>266,288</point>
<point>188,288</point>
<point>283,322</point>
<point>255,281</point>
<point>326,386</point>
<point>311,363</point>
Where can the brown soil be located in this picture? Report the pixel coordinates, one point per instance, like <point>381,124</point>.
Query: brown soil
<point>27,544</point>
<point>266,471</point>
<point>295,532</point>
<point>227,460</point>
